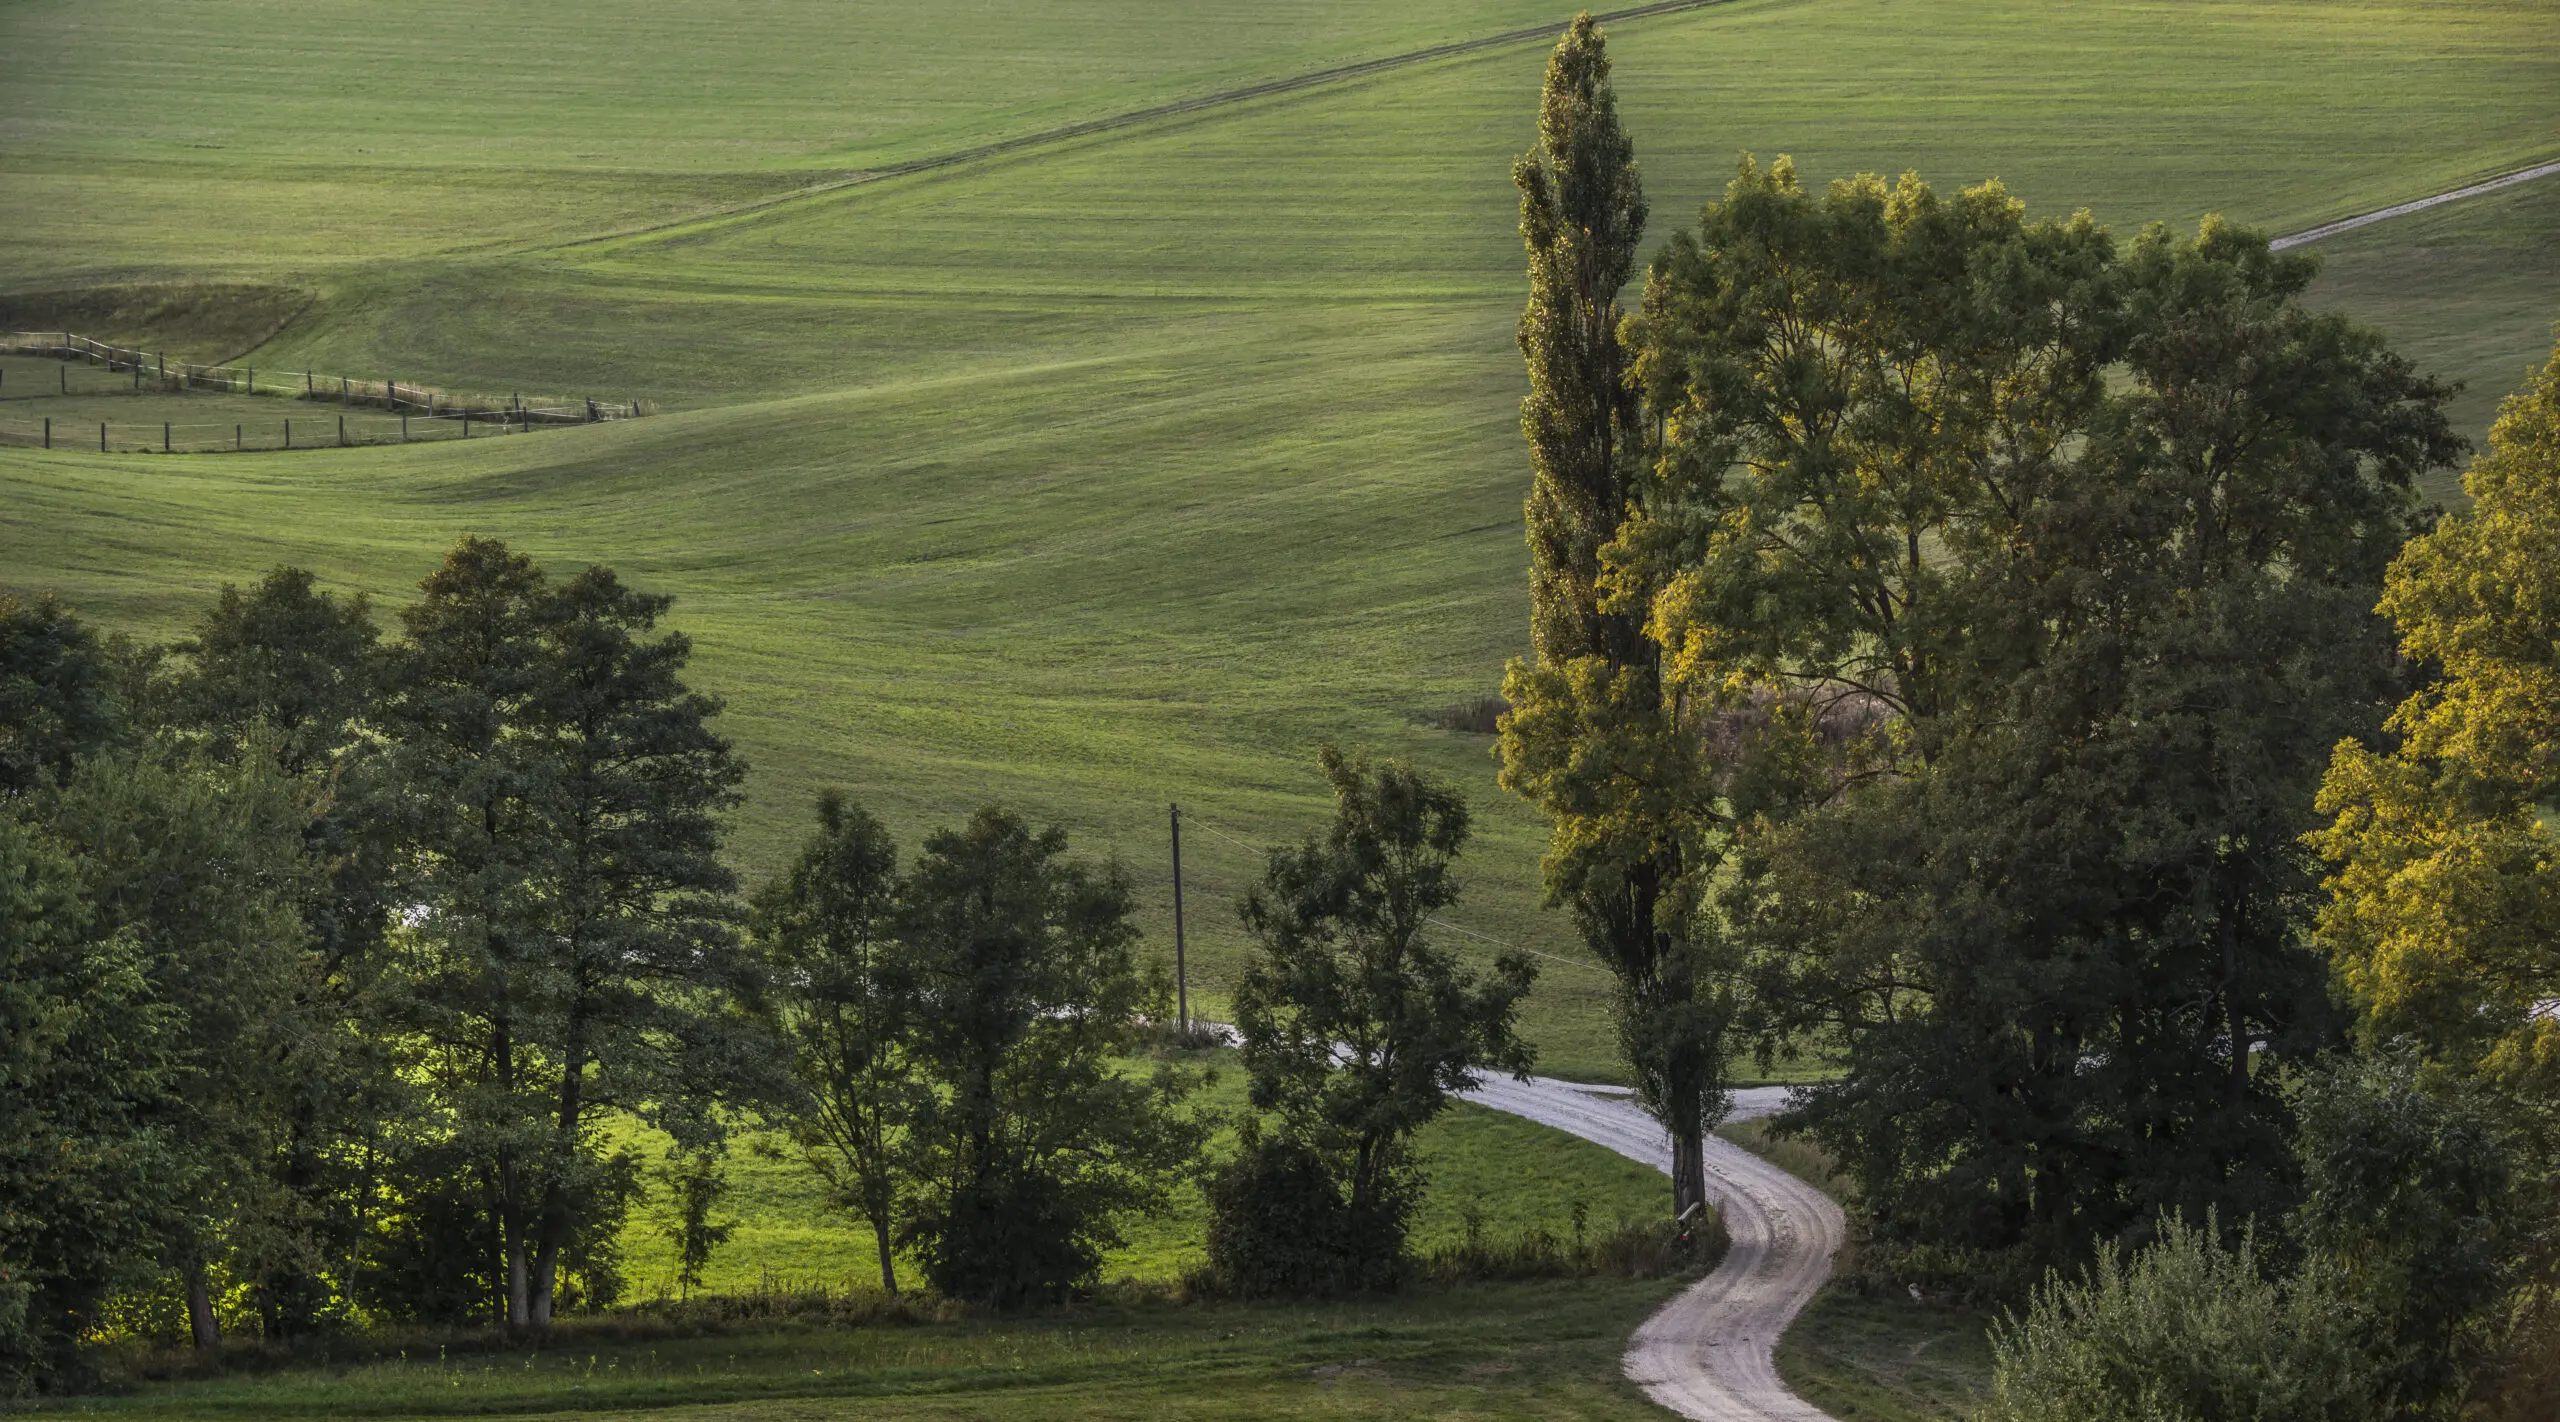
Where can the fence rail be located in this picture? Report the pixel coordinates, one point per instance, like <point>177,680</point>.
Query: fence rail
<point>396,397</point>
<point>300,432</point>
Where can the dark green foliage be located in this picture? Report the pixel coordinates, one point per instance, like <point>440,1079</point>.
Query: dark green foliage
<point>1279,1222</point>
<point>200,868</point>
<point>2037,575</point>
<point>86,1057</point>
<point>436,1253</point>
<point>283,664</point>
<point>561,799</point>
<point>287,674</point>
<point>57,692</point>
<point>1027,1147</point>
<point>841,998</point>
<point>2406,1196</point>
<point>1356,1027</point>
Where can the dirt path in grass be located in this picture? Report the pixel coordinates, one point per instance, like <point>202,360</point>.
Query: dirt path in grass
<point>1087,128</point>
<point>1708,1353</point>
<point>2350,224</point>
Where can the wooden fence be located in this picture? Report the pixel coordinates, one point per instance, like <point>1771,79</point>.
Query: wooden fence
<point>154,370</point>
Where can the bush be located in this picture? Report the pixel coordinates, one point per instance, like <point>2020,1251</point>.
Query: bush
<point>2185,1330</point>
<point>1279,1224</point>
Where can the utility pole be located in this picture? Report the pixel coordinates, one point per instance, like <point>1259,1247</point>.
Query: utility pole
<point>1181,981</point>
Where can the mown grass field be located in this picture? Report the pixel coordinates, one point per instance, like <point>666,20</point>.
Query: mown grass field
<point>1103,474</point>
<point>1492,1351</point>
<point>1493,1173</point>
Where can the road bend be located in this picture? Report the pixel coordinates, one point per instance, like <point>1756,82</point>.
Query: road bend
<point>1709,1353</point>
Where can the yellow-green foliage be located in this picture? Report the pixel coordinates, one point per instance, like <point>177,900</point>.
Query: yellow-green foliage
<point>2447,910</point>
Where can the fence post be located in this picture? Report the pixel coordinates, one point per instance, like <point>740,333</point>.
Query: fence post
<point>102,436</point>
<point>48,431</point>
<point>404,427</point>
<point>164,370</point>
<point>288,434</point>
<point>342,432</point>
<point>164,436</point>
<point>466,422</point>
<point>342,390</point>
<point>235,439</point>
<point>306,385</point>
<point>253,381</point>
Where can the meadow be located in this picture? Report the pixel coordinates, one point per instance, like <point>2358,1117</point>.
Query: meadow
<point>1491,1175</point>
<point>1508,1350</point>
<point>1108,473</point>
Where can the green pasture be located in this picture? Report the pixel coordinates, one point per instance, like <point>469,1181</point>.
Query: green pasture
<point>1493,1351</point>
<point>1506,1175</point>
<point>1107,473</point>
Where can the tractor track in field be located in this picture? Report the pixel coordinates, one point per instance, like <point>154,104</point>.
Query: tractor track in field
<point>1709,1354</point>
<point>2350,224</point>
<point>1086,128</point>
<point>1342,73</point>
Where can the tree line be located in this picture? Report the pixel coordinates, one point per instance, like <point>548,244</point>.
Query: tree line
<point>1966,647</point>
<point>336,970</point>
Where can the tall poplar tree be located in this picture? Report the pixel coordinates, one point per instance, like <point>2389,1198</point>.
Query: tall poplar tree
<point>1591,738</point>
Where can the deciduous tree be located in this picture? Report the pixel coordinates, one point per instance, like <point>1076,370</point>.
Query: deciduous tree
<point>2040,558</point>
<point>1357,1026</point>
<point>841,997</point>
<point>1029,1147</point>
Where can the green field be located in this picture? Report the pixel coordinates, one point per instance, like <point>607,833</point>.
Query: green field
<point>1105,473</point>
<point>1509,1176</point>
<point>1528,1351</point>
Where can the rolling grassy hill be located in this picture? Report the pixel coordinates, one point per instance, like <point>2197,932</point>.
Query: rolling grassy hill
<point>1110,472</point>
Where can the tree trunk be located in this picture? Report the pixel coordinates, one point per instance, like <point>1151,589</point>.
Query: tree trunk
<point>888,1263</point>
<point>1688,1171</point>
<point>200,1321</point>
<point>519,1299</point>
<point>553,1222</point>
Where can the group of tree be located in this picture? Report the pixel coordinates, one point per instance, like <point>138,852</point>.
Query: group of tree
<point>337,973</point>
<point>1943,622</point>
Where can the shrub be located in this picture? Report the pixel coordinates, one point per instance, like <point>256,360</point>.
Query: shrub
<point>1279,1223</point>
<point>2185,1330</point>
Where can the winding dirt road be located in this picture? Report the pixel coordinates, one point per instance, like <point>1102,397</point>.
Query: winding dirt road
<point>1707,1354</point>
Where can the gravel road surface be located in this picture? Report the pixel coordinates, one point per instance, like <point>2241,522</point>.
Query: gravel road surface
<point>1707,1354</point>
